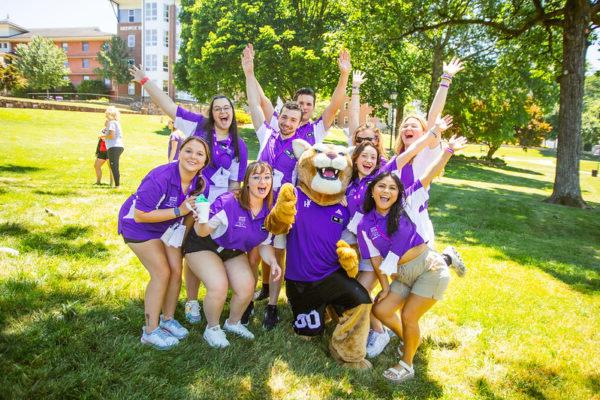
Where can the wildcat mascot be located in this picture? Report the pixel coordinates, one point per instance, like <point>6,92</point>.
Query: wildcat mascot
<point>321,266</point>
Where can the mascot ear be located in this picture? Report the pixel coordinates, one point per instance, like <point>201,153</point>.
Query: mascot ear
<point>300,146</point>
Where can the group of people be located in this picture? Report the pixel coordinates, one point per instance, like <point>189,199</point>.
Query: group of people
<point>165,222</point>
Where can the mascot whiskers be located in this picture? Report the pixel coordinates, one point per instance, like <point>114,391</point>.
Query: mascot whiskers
<point>320,265</point>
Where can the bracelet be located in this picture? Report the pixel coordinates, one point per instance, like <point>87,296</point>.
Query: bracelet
<point>444,85</point>
<point>176,212</point>
<point>355,87</point>
<point>447,76</point>
<point>357,92</point>
<point>434,133</point>
<point>144,80</point>
<point>449,150</point>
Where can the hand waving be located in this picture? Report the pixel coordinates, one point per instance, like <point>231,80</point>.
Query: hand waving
<point>358,78</point>
<point>248,59</point>
<point>136,73</point>
<point>344,61</point>
<point>453,67</point>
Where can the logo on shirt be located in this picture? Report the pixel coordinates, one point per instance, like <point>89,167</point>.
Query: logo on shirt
<point>172,202</point>
<point>337,220</point>
<point>263,228</point>
<point>307,203</point>
<point>339,212</point>
<point>241,222</point>
<point>374,232</point>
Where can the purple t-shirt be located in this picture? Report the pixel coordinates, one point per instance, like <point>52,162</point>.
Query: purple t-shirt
<point>160,189</point>
<point>224,166</point>
<point>311,242</point>
<point>234,227</point>
<point>313,131</point>
<point>355,193</point>
<point>175,138</point>
<point>278,153</point>
<point>373,239</point>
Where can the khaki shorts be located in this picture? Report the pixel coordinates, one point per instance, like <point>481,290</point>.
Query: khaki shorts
<point>426,276</point>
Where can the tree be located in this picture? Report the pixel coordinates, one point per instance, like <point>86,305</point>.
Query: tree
<point>10,78</point>
<point>42,63</point>
<point>537,128</point>
<point>591,112</point>
<point>575,19</point>
<point>114,62</point>
<point>289,38</point>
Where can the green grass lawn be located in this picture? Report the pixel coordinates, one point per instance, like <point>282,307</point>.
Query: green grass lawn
<point>523,323</point>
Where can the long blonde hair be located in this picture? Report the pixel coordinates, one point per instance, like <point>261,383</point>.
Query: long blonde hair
<point>112,113</point>
<point>376,131</point>
<point>399,147</point>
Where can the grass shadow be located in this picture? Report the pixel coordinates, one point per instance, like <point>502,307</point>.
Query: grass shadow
<point>523,229</point>
<point>165,131</point>
<point>467,170</point>
<point>18,169</point>
<point>58,193</point>
<point>13,229</point>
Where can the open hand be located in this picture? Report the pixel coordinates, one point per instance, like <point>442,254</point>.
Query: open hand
<point>344,61</point>
<point>453,67</point>
<point>358,78</point>
<point>457,143</point>
<point>275,271</point>
<point>248,59</point>
<point>441,124</point>
<point>136,73</point>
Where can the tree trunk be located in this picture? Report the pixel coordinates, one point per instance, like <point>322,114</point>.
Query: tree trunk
<point>437,67</point>
<point>567,190</point>
<point>493,148</point>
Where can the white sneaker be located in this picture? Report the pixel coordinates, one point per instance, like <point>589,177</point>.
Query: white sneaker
<point>215,337</point>
<point>378,343</point>
<point>456,261</point>
<point>192,312</point>
<point>173,327</point>
<point>159,339</point>
<point>238,329</point>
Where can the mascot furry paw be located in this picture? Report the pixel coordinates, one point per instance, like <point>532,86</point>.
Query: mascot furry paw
<point>320,266</point>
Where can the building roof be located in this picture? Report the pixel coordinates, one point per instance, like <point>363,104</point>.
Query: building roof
<point>64,33</point>
<point>9,22</point>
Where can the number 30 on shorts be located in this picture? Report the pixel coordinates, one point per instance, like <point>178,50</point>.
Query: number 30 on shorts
<point>312,320</point>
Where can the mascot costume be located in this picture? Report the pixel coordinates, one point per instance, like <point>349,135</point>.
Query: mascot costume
<point>321,266</point>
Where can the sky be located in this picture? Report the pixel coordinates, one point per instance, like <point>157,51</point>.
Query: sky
<point>83,13</point>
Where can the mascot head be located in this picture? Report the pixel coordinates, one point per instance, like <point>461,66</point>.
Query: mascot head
<point>324,171</point>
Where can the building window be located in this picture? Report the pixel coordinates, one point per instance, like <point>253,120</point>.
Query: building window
<point>150,62</point>
<point>166,12</point>
<point>130,40</point>
<point>65,46</point>
<point>85,63</point>
<point>85,46</point>
<point>131,16</point>
<point>151,12</point>
<point>165,86</point>
<point>345,121</point>
<point>166,38</point>
<point>86,77</point>
<point>131,89</point>
<point>4,45</point>
<point>131,62</point>
<point>345,105</point>
<point>151,37</point>
<point>166,63</point>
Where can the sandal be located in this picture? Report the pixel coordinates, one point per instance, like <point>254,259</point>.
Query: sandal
<point>399,375</point>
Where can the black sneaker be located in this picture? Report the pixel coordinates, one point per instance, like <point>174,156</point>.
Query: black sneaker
<point>245,320</point>
<point>263,293</point>
<point>271,318</point>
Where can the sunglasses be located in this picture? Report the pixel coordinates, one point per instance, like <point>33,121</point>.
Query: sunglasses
<point>363,139</point>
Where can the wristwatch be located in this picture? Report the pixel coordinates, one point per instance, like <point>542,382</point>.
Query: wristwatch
<point>177,212</point>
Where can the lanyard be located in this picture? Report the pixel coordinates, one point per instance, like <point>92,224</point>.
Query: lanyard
<point>284,146</point>
<point>219,152</point>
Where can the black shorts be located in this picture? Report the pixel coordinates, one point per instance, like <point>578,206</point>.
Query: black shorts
<point>194,243</point>
<point>126,240</point>
<point>102,155</point>
<point>309,299</point>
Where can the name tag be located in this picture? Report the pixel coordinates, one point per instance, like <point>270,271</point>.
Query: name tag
<point>221,178</point>
<point>290,154</point>
<point>337,220</point>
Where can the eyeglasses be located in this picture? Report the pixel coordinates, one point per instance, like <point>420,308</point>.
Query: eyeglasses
<point>363,139</point>
<point>219,109</point>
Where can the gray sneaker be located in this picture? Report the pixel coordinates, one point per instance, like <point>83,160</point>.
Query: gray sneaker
<point>456,261</point>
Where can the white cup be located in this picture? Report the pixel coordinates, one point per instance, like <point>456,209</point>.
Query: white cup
<point>203,209</point>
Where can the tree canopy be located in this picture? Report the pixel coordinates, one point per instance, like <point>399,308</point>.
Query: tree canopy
<point>41,63</point>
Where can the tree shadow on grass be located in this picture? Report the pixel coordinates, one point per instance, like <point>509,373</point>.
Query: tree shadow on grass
<point>461,169</point>
<point>18,169</point>
<point>59,242</point>
<point>58,193</point>
<point>165,131</point>
<point>559,240</point>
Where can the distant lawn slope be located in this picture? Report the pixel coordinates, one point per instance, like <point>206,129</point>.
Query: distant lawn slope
<point>523,324</point>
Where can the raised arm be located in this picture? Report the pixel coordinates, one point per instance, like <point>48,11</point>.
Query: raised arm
<point>437,105</point>
<point>454,144</point>
<point>252,91</point>
<point>158,97</point>
<point>358,78</point>
<point>339,94</point>
<point>432,135</point>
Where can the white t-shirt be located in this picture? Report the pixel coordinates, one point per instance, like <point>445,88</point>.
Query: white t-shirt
<point>117,140</point>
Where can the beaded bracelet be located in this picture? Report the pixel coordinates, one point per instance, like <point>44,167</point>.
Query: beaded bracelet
<point>144,80</point>
<point>444,85</point>
<point>449,150</point>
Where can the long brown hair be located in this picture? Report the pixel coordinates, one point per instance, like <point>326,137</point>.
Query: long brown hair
<point>209,125</point>
<point>371,126</point>
<point>201,182</point>
<point>243,195</point>
<point>356,153</point>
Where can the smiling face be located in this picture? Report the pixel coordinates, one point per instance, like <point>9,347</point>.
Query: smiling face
<point>410,130</point>
<point>260,182</point>
<point>366,161</point>
<point>307,104</point>
<point>289,121</point>
<point>193,156</point>
<point>222,112</point>
<point>385,194</point>
<point>364,135</point>
<point>323,168</point>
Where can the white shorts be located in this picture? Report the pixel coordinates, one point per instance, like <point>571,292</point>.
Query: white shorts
<point>280,241</point>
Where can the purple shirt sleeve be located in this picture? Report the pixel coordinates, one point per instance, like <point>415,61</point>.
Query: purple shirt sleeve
<point>188,121</point>
<point>150,194</point>
<point>243,160</point>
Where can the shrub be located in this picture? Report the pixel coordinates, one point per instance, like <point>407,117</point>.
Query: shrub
<point>242,117</point>
<point>92,86</point>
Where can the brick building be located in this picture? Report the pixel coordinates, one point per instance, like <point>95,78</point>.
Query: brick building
<point>81,46</point>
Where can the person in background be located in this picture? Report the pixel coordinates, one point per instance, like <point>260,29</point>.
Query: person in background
<point>175,140</point>
<point>113,137</point>
<point>101,157</point>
